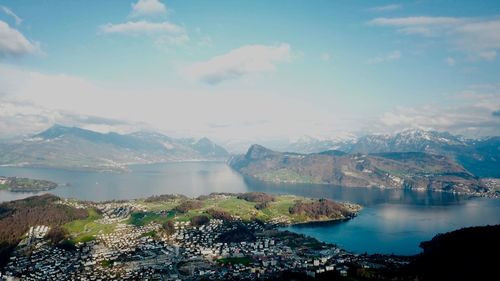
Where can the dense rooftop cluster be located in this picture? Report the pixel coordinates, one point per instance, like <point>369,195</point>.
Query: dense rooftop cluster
<point>176,238</point>
<point>217,250</point>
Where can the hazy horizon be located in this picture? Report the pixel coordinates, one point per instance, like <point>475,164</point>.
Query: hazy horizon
<point>247,71</point>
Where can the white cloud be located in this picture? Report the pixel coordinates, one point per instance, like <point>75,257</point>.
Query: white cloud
<point>471,113</point>
<point>246,60</point>
<point>141,27</point>
<point>148,8</point>
<point>476,36</point>
<point>450,61</point>
<point>386,8</point>
<point>9,12</point>
<point>164,34</point>
<point>13,42</point>
<point>395,55</point>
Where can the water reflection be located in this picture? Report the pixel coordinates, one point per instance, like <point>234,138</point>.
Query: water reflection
<point>399,228</point>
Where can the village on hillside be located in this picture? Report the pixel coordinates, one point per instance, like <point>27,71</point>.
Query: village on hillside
<point>209,249</point>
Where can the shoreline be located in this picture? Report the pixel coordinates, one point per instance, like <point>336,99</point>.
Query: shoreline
<point>319,222</point>
<point>122,169</point>
<point>28,185</point>
<point>492,194</point>
<point>495,195</point>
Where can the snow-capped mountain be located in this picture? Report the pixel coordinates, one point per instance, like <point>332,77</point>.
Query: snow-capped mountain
<point>308,144</point>
<point>406,141</point>
<point>479,156</point>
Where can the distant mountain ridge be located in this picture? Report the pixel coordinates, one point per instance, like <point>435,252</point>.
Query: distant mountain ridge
<point>407,140</point>
<point>77,148</point>
<point>479,156</point>
<point>308,144</point>
<point>411,170</point>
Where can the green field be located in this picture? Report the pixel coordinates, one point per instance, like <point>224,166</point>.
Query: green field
<point>162,211</point>
<point>242,260</point>
<point>231,204</point>
<point>284,175</point>
<point>144,218</point>
<point>161,205</point>
<point>85,230</point>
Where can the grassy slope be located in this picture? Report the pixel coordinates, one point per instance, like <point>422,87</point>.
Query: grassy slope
<point>85,229</point>
<point>162,211</point>
<point>144,218</point>
<point>232,205</point>
<point>284,175</point>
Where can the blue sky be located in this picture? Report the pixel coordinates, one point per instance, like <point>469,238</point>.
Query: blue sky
<point>322,68</point>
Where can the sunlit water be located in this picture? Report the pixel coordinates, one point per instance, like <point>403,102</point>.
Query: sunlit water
<point>392,221</point>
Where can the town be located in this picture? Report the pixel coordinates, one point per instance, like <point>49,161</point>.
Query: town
<point>218,248</point>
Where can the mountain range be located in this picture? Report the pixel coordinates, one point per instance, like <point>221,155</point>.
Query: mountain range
<point>481,156</point>
<point>77,148</point>
<point>412,170</point>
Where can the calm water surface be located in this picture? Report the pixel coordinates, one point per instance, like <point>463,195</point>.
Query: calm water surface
<point>392,221</point>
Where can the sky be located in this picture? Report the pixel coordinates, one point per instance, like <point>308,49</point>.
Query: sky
<point>250,70</point>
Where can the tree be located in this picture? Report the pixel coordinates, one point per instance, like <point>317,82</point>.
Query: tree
<point>169,227</point>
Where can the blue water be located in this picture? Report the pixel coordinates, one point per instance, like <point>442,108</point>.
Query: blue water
<point>398,228</point>
<point>392,221</point>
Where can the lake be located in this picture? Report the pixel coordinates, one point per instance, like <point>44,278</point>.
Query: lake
<point>392,221</point>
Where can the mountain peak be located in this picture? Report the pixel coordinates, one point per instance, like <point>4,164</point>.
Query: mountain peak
<point>428,136</point>
<point>257,151</point>
<point>205,140</point>
<point>57,130</point>
<point>207,147</point>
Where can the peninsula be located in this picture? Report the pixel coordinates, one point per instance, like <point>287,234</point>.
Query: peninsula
<point>405,170</point>
<point>17,184</point>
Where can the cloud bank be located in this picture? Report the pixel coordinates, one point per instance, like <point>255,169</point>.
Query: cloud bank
<point>219,113</point>
<point>472,113</point>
